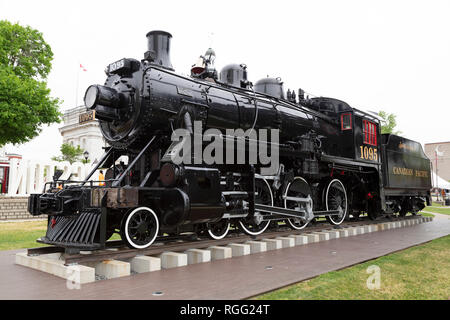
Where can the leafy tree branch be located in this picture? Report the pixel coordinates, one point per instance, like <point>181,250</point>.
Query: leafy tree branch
<point>25,101</point>
<point>389,123</point>
<point>70,153</point>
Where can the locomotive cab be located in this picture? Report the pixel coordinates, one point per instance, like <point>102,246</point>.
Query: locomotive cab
<point>356,133</point>
<point>360,136</point>
<point>329,106</point>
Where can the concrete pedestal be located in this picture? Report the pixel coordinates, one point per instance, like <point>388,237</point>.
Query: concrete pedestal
<point>286,242</point>
<point>273,244</point>
<point>312,237</point>
<point>173,260</point>
<point>198,256</point>
<point>111,269</point>
<point>323,236</point>
<point>239,249</point>
<point>76,273</point>
<point>299,239</point>
<point>343,233</point>
<point>257,246</point>
<point>143,264</point>
<point>219,253</point>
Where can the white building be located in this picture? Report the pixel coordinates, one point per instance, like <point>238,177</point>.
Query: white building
<point>82,129</point>
<point>439,154</point>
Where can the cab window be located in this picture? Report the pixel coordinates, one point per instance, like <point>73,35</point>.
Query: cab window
<point>346,121</point>
<point>370,132</point>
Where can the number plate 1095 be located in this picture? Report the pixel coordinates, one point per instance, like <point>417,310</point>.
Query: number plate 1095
<point>368,153</point>
<point>116,65</point>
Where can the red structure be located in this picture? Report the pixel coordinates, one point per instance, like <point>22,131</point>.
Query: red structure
<point>4,170</point>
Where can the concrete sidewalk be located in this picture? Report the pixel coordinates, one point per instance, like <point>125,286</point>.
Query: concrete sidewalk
<point>236,278</point>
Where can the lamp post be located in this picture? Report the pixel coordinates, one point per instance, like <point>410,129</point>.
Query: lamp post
<point>86,156</point>
<point>438,153</point>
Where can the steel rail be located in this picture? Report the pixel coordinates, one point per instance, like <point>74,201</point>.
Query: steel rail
<point>180,245</point>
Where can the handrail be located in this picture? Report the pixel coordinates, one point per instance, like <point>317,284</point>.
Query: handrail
<point>102,160</point>
<point>130,166</point>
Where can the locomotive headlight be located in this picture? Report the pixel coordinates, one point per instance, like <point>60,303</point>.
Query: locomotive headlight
<point>91,96</point>
<point>101,95</point>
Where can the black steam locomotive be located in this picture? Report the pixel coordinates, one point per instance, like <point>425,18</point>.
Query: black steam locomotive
<point>332,160</point>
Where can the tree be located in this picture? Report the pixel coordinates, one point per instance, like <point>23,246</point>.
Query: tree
<point>25,101</point>
<point>389,123</point>
<point>69,153</point>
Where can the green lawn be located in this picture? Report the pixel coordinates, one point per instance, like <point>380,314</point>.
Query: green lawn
<point>421,272</point>
<point>23,234</point>
<point>437,209</point>
<point>436,204</point>
<point>18,235</point>
<point>426,214</point>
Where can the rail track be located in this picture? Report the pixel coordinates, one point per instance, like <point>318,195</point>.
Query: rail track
<point>116,249</point>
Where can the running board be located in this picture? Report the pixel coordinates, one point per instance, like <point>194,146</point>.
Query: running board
<point>293,213</point>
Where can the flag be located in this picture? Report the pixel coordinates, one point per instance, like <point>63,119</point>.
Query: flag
<point>82,68</point>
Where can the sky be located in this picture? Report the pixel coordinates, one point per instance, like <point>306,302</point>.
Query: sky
<point>375,55</point>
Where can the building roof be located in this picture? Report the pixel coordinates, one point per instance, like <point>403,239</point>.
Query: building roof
<point>437,142</point>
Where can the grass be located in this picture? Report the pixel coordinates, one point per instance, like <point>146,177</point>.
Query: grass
<point>19,235</point>
<point>418,273</point>
<point>426,214</point>
<point>436,204</point>
<point>23,234</point>
<point>437,210</point>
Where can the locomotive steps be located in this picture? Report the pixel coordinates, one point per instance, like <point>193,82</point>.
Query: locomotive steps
<point>111,263</point>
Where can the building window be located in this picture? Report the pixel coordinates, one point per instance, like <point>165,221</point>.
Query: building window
<point>370,132</point>
<point>346,121</point>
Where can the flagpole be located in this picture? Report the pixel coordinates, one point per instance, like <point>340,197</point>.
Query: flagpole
<point>437,185</point>
<point>78,81</point>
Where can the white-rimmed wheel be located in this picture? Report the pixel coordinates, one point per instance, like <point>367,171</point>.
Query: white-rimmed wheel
<point>336,199</point>
<point>298,188</point>
<point>140,228</point>
<point>218,230</point>
<point>255,224</point>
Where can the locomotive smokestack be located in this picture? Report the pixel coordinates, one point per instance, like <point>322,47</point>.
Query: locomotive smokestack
<point>159,49</point>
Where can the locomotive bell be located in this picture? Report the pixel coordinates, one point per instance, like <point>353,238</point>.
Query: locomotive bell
<point>199,67</point>
<point>159,49</point>
<point>205,65</point>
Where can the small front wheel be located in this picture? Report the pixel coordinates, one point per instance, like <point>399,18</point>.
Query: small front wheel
<point>140,228</point>
<point>218,230</point>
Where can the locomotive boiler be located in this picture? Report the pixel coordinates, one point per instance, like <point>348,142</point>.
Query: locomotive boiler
<point>330,159</point>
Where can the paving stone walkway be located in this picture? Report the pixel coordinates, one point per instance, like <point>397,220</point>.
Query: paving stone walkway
<point>236,278</point>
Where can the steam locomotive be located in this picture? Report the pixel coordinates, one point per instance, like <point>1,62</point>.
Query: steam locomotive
<point>332,160</point>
